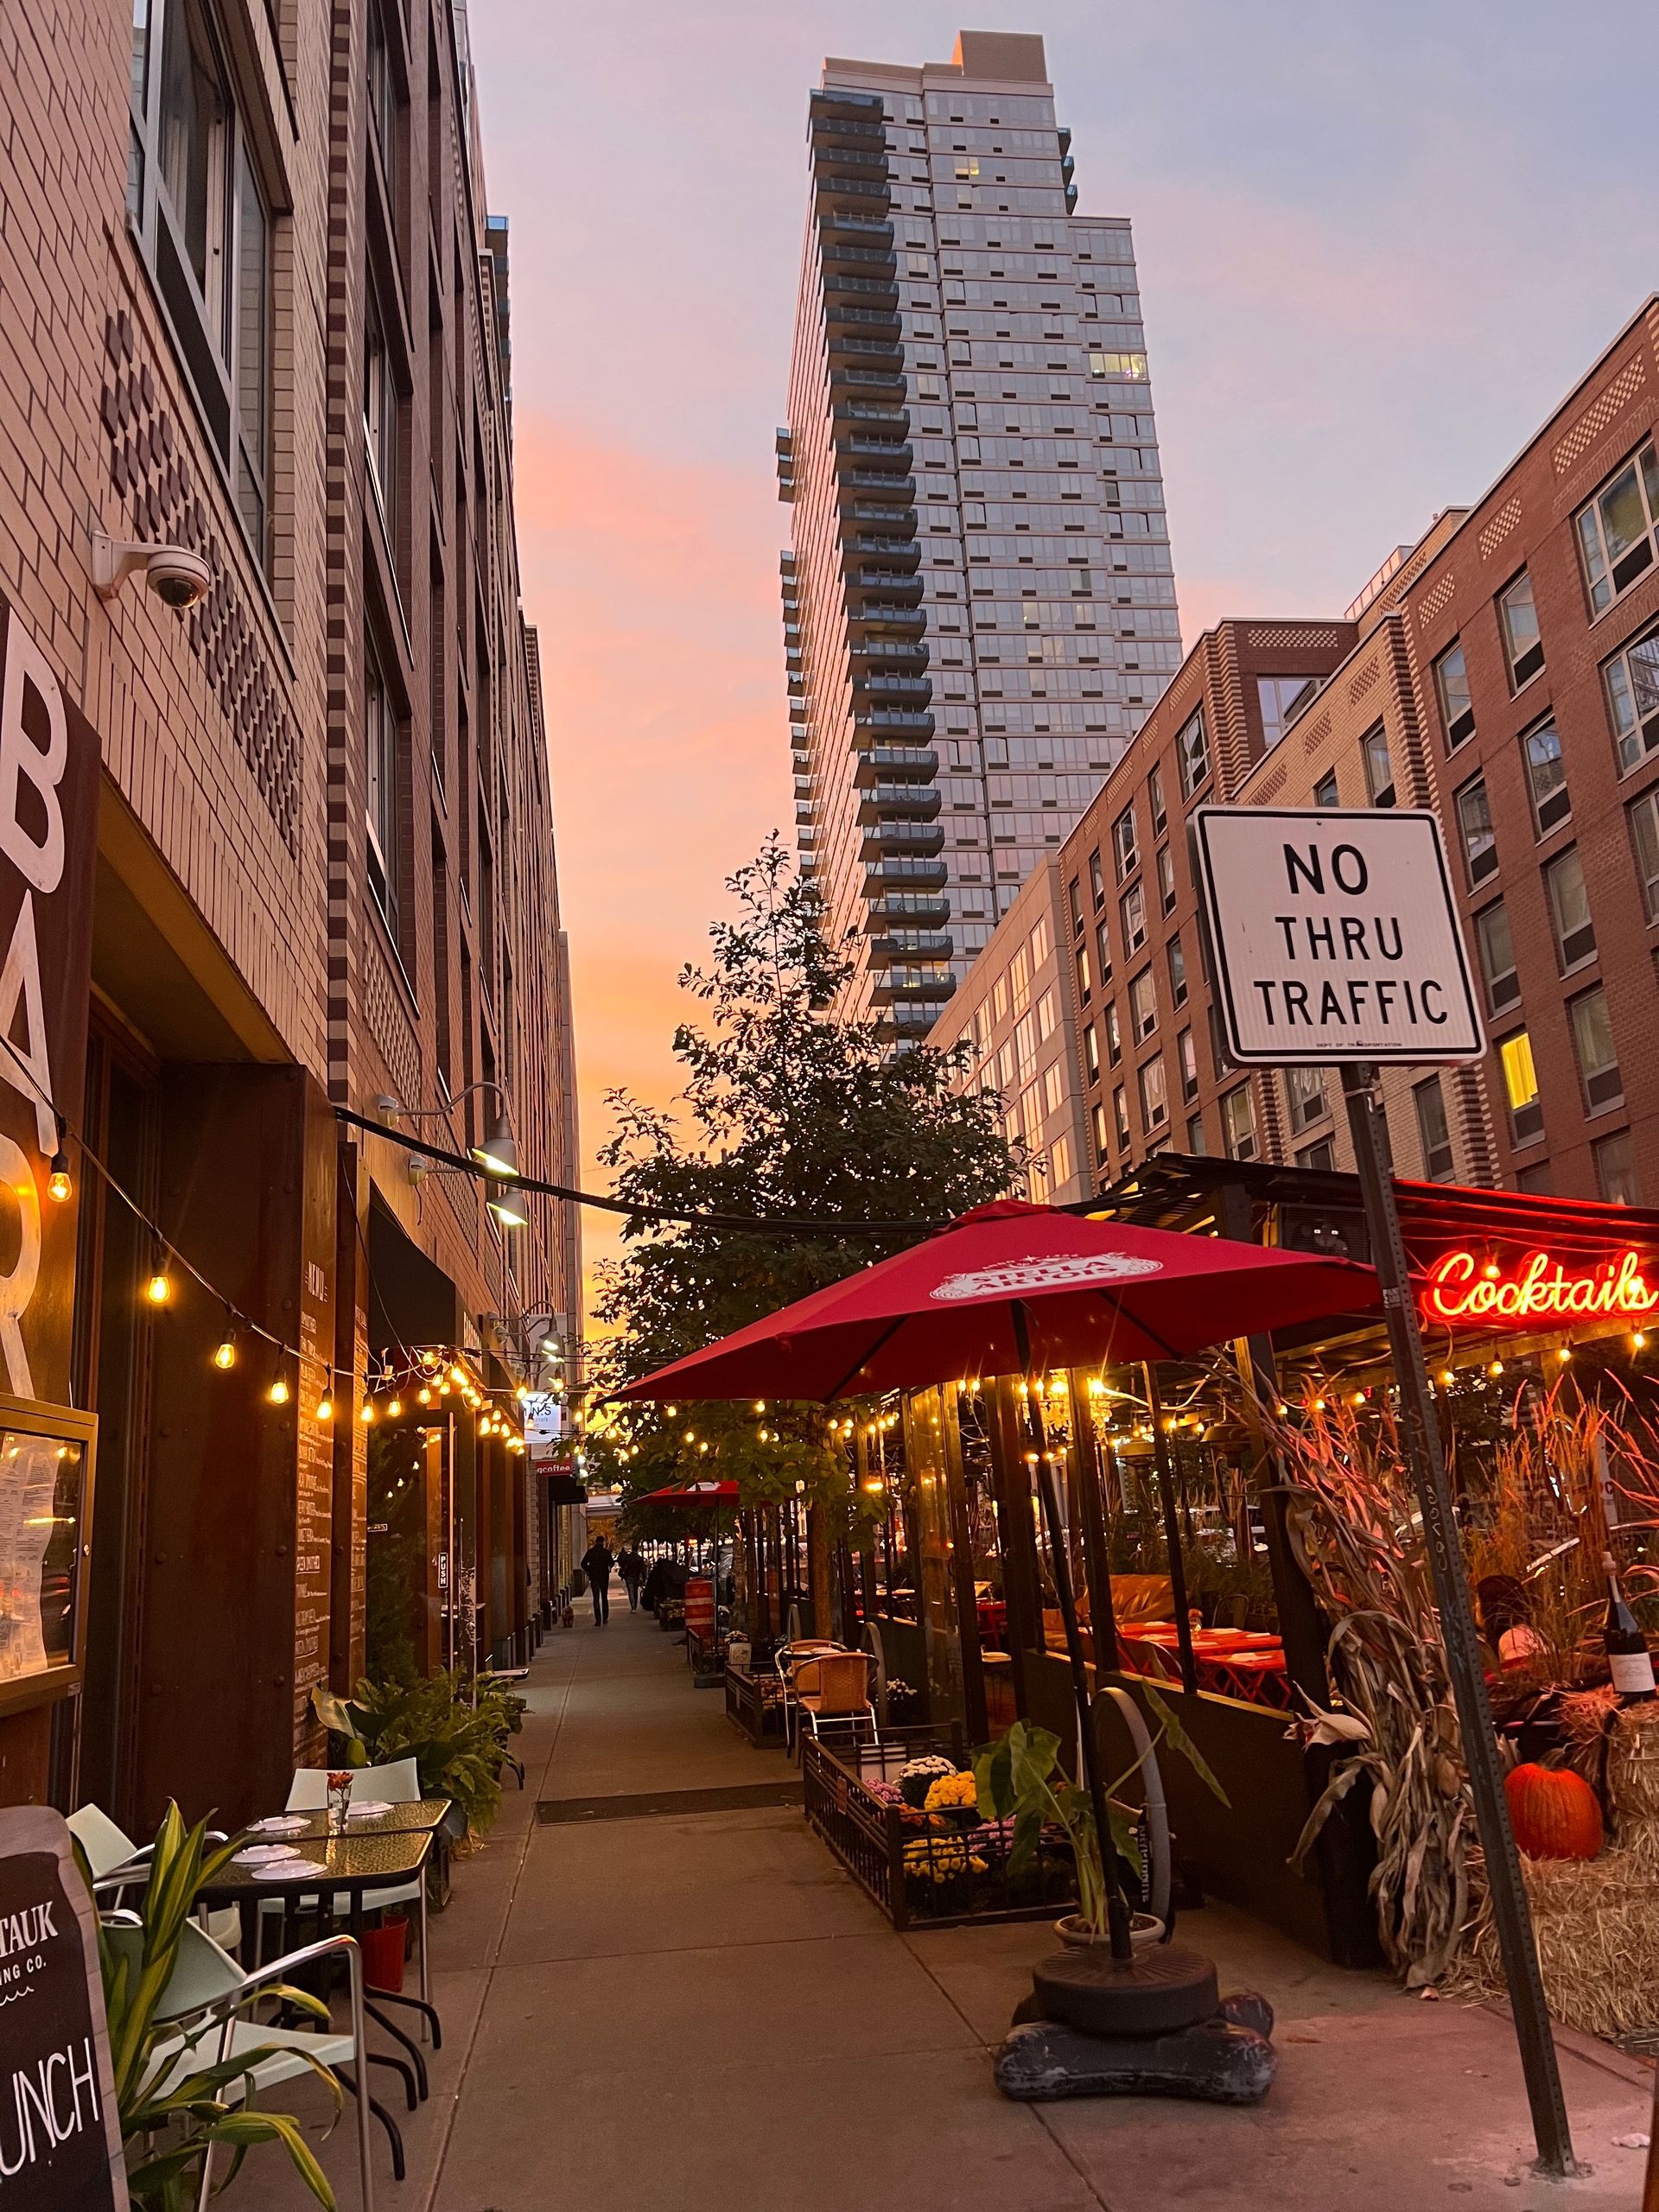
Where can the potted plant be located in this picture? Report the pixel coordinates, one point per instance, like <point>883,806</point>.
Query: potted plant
<point>384,1948</point>
<point>1019,1777</point>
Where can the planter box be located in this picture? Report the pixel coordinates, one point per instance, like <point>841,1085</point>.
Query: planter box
<point>754,1703</point>
<point>919,1875</point>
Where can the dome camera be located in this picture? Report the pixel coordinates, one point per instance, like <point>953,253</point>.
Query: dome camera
<point>179,578</point>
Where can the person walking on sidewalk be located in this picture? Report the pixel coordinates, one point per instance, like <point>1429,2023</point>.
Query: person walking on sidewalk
<point>596,1564</point>
<point>630,1566</point>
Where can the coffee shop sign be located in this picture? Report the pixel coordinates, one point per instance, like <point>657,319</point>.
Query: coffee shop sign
<point>1461,1286</point>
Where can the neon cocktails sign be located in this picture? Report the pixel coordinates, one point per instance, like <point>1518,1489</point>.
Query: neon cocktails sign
<point>1462,1287</point>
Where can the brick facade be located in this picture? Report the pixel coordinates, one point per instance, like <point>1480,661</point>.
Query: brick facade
<point>249,969</point>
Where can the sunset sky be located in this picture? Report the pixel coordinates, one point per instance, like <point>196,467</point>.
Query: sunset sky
<point>1375,247</point>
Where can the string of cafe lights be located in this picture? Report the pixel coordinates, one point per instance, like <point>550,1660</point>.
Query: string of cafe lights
<point>430,1374</point>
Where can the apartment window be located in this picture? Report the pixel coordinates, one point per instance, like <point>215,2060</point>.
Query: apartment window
<point>1282,698</point>
<point>1616,530</point>
<point>380,786</point>
<point>1187,1058</point>
<point>196,206</point>
<point>1326,793</point>
<point>1166,880</point>
<point>1104,949</point>
<point>383,99</point>
<point>1452,689</point>
<point>1019,980</point>
<point>1593,1041</point>
<point>1125,852</point>
<point>1155,1099</point>
<point>1025,1046</point>
<point>1631,678</point>
<point>1433,1132</point>
<point>1305,1092</point>
<point>1060,1153</point>
<point>1615,1159</point>
<point>380,412</point>
<point>1098,879</point>
<point>1475,828</point>
<point>1120,1115</point>
<point>1534,1180</point>
<point>1541,751</point>
<point>1523,649</point>
<point>1318,1159</point>
<point>1134,920</point>
<point>1086,985</point>
<point>1000,997</point>
<point>1497,957</point>
<point>1197,1144</point>
<point>1644,817</point>
<point>1052,1084</point>
<point>1114,1033</point>
<point>1045,1016</point>
<point>1102,1143</point>
<point>1238,1122</point>
<point>1155,801</point>
<point>1520,1087</point>
<point>1075,898</point>
<point>1177,972</point>
<point>1091,1052</point>
<point>1569,911</point>
<point>1143,1006</point>
<point>1379,773</point>
<point>1192,746</point>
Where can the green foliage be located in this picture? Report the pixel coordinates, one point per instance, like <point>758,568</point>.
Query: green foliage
<point>1019,1777</point>
<point>395,1563</point>
<point>168,2127</point>
<point>792,1108</point>
<point>455,1729</point>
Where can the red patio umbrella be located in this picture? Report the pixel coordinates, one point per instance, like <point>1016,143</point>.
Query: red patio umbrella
<point>691,1494</point>
<point>1010,1289</point>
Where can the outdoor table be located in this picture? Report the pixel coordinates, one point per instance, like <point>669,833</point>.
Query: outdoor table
<point>421,1816</point>
<point>334,1864</point>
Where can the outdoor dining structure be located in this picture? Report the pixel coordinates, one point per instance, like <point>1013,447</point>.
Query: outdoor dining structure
<point>1108,1451</point>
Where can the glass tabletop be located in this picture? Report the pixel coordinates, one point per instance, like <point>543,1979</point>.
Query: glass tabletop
<point>424,1816</point>
<point>342,1862</point>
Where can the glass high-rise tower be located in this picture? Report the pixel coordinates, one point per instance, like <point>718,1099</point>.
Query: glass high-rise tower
<point>979,607</point>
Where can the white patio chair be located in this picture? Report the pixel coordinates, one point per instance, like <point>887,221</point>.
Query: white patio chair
<point>109,1850</point>
<point>397,1781</point>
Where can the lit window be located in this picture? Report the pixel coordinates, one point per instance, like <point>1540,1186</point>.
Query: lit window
<point>1616,530</point>
<point>1517,617</point>
<point>1520,1087</point>
<point>1433,1132</point>
<point>1117,364</point>
<point>1238,1122</point>
<point>1541,749</point>
<point>1379,773</point>
<point>1593,1041</point>
<point>1615,1159</point>
<point>1631,678</point>
<point>967,168</point>
<point>1452,687</point>
<point>1497,957</point>
<point>1193,747</point>
<point>1155,1100</point>
<point>1569,911</point>
<point>1475,828</point>
<point>1143,1006</point>
<point>1643,814</point>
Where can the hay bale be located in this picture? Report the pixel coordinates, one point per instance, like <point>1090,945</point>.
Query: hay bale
<point>1597,1925</point>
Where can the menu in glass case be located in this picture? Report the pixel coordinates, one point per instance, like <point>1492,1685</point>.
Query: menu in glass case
<point>46,1456</point>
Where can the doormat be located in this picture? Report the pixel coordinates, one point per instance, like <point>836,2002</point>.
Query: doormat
<point>558,1812</point>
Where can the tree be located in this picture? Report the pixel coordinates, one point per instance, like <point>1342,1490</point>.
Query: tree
<point>793,1109</point>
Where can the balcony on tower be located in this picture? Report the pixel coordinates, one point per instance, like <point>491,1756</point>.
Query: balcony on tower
<point>880,764</point>
<point>904,873</point>
<point>886,840</point>
<point>911,909</point>
<point>899,803</point>
<point>898,948</point>
<point>906,723</point>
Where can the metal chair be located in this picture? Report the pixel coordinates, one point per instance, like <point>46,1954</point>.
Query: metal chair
<point>835,1688</point>
<point>204,1999</point>
<point>785,1660</point>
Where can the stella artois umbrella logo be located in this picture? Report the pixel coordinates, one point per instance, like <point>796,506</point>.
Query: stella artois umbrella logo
<point>1050,1271</point>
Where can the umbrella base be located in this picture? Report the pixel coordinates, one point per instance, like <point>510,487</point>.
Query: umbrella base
<point>1163,1988</point>
<point>1224,2059</point>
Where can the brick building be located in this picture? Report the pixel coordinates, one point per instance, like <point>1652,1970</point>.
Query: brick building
<point>1504,673</point>
<point>292,841</point>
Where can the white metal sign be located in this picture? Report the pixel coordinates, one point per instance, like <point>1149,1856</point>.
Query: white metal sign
<point>1335,936</point>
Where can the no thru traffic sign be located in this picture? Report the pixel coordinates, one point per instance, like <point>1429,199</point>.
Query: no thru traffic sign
<point>1335,936</point>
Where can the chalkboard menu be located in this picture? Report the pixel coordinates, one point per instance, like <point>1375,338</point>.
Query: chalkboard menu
<point>60,2131</point>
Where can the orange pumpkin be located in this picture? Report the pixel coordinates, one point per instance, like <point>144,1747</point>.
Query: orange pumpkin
<point>1555,1813</point>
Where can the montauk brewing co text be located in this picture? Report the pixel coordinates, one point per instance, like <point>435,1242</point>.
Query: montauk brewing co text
<point>1336,937</point>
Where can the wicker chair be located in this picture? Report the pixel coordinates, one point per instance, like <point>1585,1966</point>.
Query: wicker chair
<point>834,1690</point>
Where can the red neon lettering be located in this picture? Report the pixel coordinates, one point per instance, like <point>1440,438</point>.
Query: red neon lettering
<point>1460,1288</point>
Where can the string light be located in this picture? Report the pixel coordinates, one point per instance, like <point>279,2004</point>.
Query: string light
<point>278,1393</point>
<point>423,1396</point>
<point>225,1355</point>
<point>58,1185</point>
<point>325,1405</point>
<point>159,1288</point>
<point>1496,1367</point>
<point>367,1414</point>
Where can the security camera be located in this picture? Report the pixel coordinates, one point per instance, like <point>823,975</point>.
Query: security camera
<point>179,578</point>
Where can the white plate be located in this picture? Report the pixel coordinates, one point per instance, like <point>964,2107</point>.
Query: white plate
<point>278,1824</point>
<point>370,1809</point>
<point>283,1870</point>
<point>266,1854</point>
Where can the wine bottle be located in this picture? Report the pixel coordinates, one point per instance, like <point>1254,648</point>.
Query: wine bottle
<point>1626,1647</point>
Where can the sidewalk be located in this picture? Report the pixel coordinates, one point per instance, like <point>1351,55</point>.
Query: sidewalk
<point>698,2012</point>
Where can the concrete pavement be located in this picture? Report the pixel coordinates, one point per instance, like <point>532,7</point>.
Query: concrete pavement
<point>699,2012</point>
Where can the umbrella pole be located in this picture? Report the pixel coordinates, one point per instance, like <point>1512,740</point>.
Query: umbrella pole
<point>1117,1911</point>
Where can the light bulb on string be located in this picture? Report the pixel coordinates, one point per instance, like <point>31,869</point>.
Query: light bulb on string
<point>394,1407</point>
<point>367,1414</point>
<point>1496,1367</point>
<point>58,1186</point>
<point>423,1396</point>
<point>159,1288</point>
<point>225,1352</point>
<point>278,1393</point>
<point>326,1405</point>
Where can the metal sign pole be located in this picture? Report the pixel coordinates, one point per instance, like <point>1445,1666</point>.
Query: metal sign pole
<point>1422,1441</point>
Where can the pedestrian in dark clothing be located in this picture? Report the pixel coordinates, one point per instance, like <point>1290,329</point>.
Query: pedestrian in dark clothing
<point>630,1566</point>
<point>596,1564</point>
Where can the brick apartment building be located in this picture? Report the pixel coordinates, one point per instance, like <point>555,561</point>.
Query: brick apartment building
<point>1504,673</point>
<point>285,849</point>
